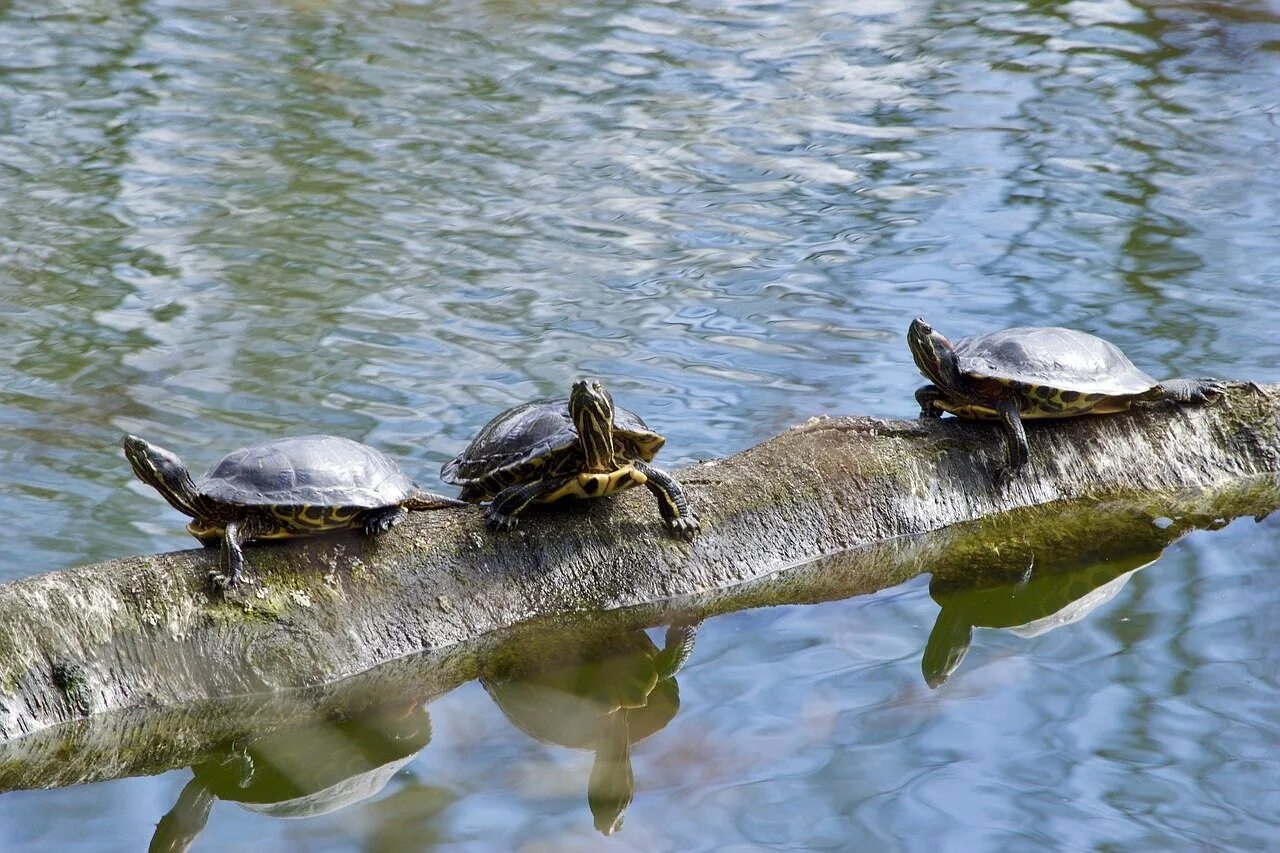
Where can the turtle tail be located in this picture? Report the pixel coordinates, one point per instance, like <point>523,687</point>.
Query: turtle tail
<point>421,501</point>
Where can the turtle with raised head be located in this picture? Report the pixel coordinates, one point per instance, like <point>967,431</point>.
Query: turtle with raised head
<point>1035,372</point>
<point>580,447</point>
<point>283,488</point>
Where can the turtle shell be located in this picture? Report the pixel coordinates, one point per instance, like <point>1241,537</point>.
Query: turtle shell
<point>1051,357</point>
<point>537,433</point>
<point>307,470</point>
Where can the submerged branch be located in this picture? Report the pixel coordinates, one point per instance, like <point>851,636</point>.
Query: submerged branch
<point>145,632</point>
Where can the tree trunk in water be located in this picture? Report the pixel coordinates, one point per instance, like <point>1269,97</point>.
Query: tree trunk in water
<point>142,632</point>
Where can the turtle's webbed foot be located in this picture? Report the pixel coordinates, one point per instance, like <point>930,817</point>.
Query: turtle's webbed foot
<point>1193,390</point>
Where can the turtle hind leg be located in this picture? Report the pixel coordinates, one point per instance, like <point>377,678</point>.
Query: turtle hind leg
<point>1017,450</point>
<point>501,512</point>
<point>381,520</point>
<point>928,396</point>
<point>1192,390</point>
<point>672,503</point>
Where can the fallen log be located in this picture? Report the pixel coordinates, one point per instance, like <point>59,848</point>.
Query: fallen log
<point>142,632</point>
<point>1075,547</point>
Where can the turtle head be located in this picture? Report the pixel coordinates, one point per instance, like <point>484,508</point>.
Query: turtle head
<point>591,408</point>
<point>163,471</point>
<point>933,353</point>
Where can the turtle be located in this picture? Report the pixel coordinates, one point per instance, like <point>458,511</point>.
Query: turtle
<point>602,697</point>
<point>1035,372</point>
<point>299,772</point>
<point>282,488</point>
<point>582,447</point>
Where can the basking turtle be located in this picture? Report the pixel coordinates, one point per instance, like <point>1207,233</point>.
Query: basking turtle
<point>607,696</point>
<point>582,447</point>
<point>282,488</point>
<point>1035,372</point>
<point>298,772</point>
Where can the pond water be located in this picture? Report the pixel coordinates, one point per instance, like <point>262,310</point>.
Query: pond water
<point>225,221</point>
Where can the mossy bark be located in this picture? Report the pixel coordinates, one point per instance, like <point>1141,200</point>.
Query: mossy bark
<point>142,632</point>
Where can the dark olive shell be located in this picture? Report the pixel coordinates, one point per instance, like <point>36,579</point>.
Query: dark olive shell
<point>307,470</point>
<point>1052,357</point>
<point>538,431</point>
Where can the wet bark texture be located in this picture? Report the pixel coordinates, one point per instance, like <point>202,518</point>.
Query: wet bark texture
<point>145,632</point>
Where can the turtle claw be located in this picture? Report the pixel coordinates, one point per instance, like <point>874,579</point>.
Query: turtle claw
<point>382,522</point>
<point>1209,391</point>
<point>224,583</point>
<point>686,527</point>
<point>1194,390</point>
<point>500,521</point>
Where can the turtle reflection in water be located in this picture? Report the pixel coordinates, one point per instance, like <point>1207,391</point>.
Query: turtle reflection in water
<point>1028,607</point>
<point>611,696</point>
<point>301,772</point>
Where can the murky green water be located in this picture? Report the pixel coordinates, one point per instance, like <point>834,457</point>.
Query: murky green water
<point>225,221</point>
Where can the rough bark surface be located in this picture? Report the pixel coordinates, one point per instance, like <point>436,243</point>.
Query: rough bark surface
<point>142,632</point>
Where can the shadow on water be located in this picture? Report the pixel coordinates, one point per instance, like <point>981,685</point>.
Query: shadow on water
<point>597,682</point>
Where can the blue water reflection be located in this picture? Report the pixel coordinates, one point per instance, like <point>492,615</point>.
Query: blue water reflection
<point>225,222</point>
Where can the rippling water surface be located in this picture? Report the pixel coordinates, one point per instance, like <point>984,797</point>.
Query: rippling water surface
<point>224,221</point>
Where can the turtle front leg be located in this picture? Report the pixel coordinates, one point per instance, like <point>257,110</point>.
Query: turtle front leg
<point>1017,451</point>
<point>672,503</point>
<point>1192,390</point>
<point>232,563</point>
<point>928,396</point>
<point>501,512</point>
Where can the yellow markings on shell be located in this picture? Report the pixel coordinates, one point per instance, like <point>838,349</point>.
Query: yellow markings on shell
<point>303,520</point>
<point>1042,402</point>
<point>592,485</point>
